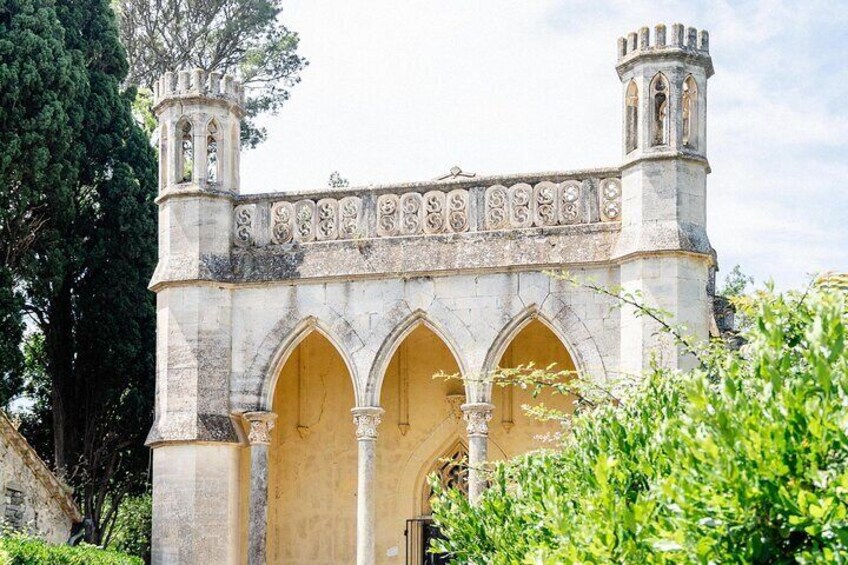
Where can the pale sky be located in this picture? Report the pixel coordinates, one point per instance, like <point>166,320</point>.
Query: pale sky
<point>403,90</point>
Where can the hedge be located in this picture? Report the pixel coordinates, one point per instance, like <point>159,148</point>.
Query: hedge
<point>23,550</point>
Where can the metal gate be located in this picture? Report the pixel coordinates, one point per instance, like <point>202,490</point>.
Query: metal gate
<point>419,533</point>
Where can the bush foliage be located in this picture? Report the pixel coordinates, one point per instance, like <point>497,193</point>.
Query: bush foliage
<point>23,550</point>
<point>743,460</point>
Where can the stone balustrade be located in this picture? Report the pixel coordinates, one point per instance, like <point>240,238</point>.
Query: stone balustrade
<point>484,204</point>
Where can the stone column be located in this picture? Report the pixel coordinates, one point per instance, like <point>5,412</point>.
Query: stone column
<point>477,416</point>
<point>366,419</point>
<point>260,425</point>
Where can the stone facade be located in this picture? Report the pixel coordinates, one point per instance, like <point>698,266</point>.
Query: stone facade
<point>34,500</point>
<point>246,284</point>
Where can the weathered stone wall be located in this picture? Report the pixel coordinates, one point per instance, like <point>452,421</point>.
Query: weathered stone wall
<point>33,500</point>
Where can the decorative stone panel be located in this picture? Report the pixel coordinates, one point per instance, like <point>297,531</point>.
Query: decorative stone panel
<point>541,203</point>
<point>610,200</point>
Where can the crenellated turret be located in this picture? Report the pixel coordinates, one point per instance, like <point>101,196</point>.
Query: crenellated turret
<point>199,117</point>
<point>663,247</point>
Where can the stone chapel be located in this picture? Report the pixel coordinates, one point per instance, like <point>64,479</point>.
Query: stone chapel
<point>297,417</point>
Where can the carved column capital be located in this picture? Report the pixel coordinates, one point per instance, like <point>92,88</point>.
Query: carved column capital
<point>260,425</point>
<point>477,416</point>
<point>367,419</point>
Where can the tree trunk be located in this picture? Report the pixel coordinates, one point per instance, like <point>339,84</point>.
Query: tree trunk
<point>59,346</point>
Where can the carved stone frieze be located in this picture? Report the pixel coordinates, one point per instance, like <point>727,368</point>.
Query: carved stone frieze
<point>495,207</point>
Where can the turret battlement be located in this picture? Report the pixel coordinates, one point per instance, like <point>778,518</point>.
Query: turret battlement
<point>682,39</point>
<point>198,83</point>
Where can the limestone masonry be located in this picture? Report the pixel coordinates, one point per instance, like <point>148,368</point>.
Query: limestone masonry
<point>296,414</point>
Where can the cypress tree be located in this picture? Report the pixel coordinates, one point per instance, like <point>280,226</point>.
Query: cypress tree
<point>84,276</point>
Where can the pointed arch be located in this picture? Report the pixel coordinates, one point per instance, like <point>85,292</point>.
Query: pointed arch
<point>164,153</point>
<point>393,341</point>
<point>689,105</point>
<point>300,332</point>
<point>214,151</point>
<point>659,110</point>
<point>513,328</point>
<point>184,150</point>
<point>631,117</point>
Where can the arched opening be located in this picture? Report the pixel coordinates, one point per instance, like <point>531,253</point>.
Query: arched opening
<point>213,151</point>
<point>659,110</point>
<point>418,410</point>
<point>312,459</point>
<point>511,427</point>
<point>185,151</point>
<point>450,469</point>
<point>163,156</point>
<point>631,118</point>
<point>690,112</point>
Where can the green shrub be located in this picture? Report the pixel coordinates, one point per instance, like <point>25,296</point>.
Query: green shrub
<point>24,550</point>
<point>744,460</point>
<point>133,526</point>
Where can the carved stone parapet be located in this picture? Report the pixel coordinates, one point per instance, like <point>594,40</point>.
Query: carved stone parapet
<point>367,419</point>
<point>477,416</point>
<point>260,425</point>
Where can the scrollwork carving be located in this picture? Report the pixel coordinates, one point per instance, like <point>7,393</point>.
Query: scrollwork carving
<point>520,196</point>
<point>497,199</point>
<point>350,210</point>
<point>434,212</point>
<point>610,200</point>
<point>327,211</point>
<point>545,204</point>
<point>569,202</point>
<point>411,213</point>
<point>457,204</point>
<point>244,225</point>
<point>281,222</point>
<point>388,215</point>
<point>304,220</point>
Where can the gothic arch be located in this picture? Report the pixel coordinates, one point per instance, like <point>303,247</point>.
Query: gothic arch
<point>563,323</point>
<point>384,355</point>
<point>300,332</point>
<point>660,107</point>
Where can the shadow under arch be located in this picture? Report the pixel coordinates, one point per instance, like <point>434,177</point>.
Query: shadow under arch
<point>509,332</point>
<point>300,332</point>
<point>390,345</point>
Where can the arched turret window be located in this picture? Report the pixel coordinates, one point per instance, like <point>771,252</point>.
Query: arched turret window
<point>659,110</point>
<point>631,117</point>
<point>163,156</point>
<point>185,161</point>
<point>213,152</point>
<point>690,112</point>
